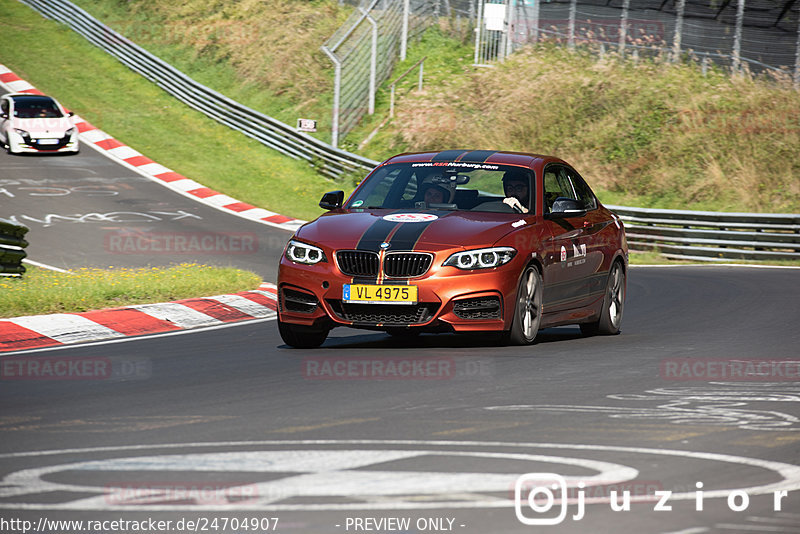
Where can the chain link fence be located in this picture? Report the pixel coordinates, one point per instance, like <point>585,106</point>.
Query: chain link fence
<point>758,35</point>
<point>364,50</point>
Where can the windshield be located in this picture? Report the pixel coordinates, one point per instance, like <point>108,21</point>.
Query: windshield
<point>36,107</point>
<point>447,185</point>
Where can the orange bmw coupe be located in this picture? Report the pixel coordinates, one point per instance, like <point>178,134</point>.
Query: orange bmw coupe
<point>457,241</point>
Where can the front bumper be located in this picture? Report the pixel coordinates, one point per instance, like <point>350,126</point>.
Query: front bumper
<point>33,144</point>
<point>449,299</point>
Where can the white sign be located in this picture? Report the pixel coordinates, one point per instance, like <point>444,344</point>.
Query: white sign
<point>306,125</point>
<point>494,16</point>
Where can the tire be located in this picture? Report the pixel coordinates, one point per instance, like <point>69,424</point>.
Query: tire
<point>528,310</point>
<point>302,337</point>
<point>608,324</point>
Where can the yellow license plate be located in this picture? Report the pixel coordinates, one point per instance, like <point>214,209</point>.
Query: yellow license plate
<point>368,294</point>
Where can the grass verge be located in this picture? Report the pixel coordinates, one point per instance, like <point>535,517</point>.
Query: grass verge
<point>265,54</point>
<point>649,134</point>
<point>42,291</point>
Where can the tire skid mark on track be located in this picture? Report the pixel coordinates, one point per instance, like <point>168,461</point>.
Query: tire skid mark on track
<point>39,331</point>
<point>720,404</point>
<point>131,158</point>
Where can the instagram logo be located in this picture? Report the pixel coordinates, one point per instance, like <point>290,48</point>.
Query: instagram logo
<point>540,492</point>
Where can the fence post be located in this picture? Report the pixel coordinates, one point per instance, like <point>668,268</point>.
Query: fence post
<point>676,41</point>
<point>535,21</point>
<point>623,26</point>
<point>737,38</point>
<point>404,37</point>
<point>337,83</point>
<point>478,32</point>
<point>392,85</point>
<point>573,9</point>
<point>373,62</point>
<point>510,16</point>
<point>797,57</point>
<point>504,34</point>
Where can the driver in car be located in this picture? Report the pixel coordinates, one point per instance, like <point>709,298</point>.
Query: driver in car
<point>515,187</point>
<point>437,189</point>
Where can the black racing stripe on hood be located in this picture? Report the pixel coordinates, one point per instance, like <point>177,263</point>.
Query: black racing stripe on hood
<point>406,237</point>
<point>477,156</point>
<point>448,155</point>
<point>375,235</point>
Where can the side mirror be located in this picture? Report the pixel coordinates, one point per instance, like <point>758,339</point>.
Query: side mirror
<point>332,200</point>
<point>566,207</point>
<point>71,113</point>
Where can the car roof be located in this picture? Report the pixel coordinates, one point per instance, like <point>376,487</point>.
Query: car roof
<point>29,96</point>
<point>499,157</point>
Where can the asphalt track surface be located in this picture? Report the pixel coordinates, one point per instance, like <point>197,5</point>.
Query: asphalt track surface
<point>230,423</point>
<point>235,406</point>
<point>86,210</point>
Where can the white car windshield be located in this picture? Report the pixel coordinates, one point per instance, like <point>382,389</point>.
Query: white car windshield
<point>34,107</point>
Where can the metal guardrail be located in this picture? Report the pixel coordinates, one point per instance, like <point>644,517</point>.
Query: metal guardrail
<point>710,235</point>
<point>277,135</point>
<point>12,245</point>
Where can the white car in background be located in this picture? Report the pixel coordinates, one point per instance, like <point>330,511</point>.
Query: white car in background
<point>36,123</point>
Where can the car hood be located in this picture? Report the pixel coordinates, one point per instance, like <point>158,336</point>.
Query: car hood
<point>407,230</point>
<point>55,126</point>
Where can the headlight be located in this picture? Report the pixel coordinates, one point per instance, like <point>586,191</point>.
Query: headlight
<point>23,133</point>
<point>302,253</point>
<point>69,132</point>
<point>484,258</point>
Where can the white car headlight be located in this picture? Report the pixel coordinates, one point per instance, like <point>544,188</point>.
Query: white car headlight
<point>23,133</point>
<point>69,132</point>
<point>302,253</point>
<point>484,258</point>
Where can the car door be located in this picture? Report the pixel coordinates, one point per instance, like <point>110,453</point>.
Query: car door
<point>572,253</point>
<point>592,278</point>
